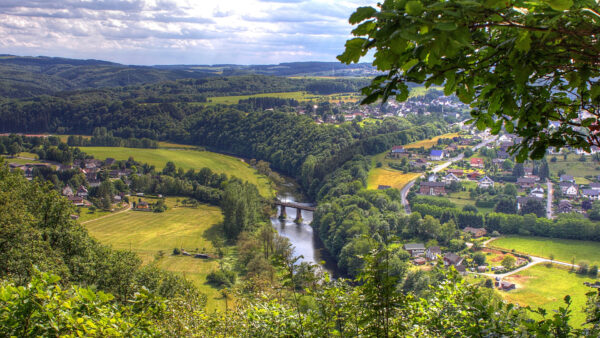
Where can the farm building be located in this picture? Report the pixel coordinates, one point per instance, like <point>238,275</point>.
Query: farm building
<point>414,249</point>
<point>436,155</point>
<point>432,188</point>
<point>475,232</point>
<point>477,162</point>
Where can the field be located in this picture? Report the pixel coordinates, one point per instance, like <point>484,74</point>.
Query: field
<point>393,178</point>
<point>147,233</point>
<point>86,215</point>
<point>299,96</point>
<point>572,166</point>
<point>429,142</point>
<point>187,159</point>
<point>546,287</point>
<point>562,249</point>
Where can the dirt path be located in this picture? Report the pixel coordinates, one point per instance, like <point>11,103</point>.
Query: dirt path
<point>109,215</point>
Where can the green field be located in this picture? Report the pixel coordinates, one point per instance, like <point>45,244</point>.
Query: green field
<point>546,287</point>
<point>147,233</point>
<point>572,166</point>
<point>86,215</point>
<point>299,96</point>
<point>562,249</point>
<point>188,159</point>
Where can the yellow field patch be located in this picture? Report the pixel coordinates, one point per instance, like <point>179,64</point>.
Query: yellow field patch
<point>429,142</point>
<point>394,178</point>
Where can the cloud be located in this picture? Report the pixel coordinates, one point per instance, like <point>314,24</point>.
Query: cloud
<point>178,31</point>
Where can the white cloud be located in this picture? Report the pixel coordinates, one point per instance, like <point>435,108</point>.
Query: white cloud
<point>178,31</point>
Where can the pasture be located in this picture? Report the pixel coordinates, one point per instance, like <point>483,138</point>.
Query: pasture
<point>148,233</point>
<point>299,96</point>
<point>572,166</point>
<point>188,159</point>
<point>429,142</point>
<point>564,250</point>
<point>546,287</point>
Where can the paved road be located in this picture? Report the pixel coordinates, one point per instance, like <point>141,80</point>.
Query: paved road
<point>436,169</point>
<point>549,202</point>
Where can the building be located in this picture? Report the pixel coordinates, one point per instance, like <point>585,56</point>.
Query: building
<point>67,191</point>
<point>453,259</point>
<point>436,155</point>
<point>414,249</point>
<point>477,162</point>
<point>567,178</point>
<point>485,182</point>
<point>537,191</point>
<point>569,189</point>
<point>595,186</point>
<point>507,286</point>
<point>475,232</point>
<point>77,200</point>
<point>564,206</point>
<point>398,152</point>
<point>456,172</point>
<point>450,178</point>
<point>432,188</point>
<point>522,200</point>
<point>526,182</point>
<point>82,191</point>
<point>419,261</point>
<point>591,194</point>
<point>433,252</point>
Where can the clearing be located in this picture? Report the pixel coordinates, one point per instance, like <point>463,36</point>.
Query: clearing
<point>188,159</point>
<point>147,233</point>
<point>546,287</point>
<point>563,249</point>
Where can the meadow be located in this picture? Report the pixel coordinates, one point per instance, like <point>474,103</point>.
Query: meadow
<point>545,287</point>
<point>429,142</point>
<point>572,166</point>
<point>188,159</point>
<point>148,233</point>
<point>563,249</point>
<point>299,96</point>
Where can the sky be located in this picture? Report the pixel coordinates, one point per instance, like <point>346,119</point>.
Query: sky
<point>153,32</point>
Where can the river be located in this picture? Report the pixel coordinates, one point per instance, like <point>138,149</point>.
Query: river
<point>306,242</point>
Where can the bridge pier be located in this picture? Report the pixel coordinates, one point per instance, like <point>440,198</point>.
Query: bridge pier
<point>298,215</point>
<point>282,214</point>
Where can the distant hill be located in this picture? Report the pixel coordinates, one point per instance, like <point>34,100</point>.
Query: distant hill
<point>23,76</point>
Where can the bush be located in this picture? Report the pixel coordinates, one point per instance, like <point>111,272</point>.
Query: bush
<point>495,234</point>
<point>220,278</point>
<point>378,164</point>
<point>583,268</point>
<point>176,251</point>
<point>593,272</point>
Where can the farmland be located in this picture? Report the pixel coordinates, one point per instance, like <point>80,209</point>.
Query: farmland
<point>429,142</point>
<point>543,286</point>
<point>148,233</point>
<point>563,249</point>
<point>188,159</point>
<point>573,166</point>
<point>394,178</point>
<point>299,96</point>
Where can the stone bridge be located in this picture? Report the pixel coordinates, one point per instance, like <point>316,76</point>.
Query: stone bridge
<point>297,206</point>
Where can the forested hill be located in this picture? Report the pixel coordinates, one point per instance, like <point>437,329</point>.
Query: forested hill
<point>31,76</point>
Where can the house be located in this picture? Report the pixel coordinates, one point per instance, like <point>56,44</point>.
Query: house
<point>414,249</point>
<point>82,191</point>
<point>67,191</point>
<point>569,189</point>
<point>432,178</point>
<point>450,178</point>
<point>451,258</point>
<point>522,200</point>
<point>505,145</point>
<point>77,200</point>
<point>507,286</point>
<point>567,178</point>
<point>482,268</point>
<point>477,162</point>
<point>591,194</point>
<point>485,182</point>
<point>456,172</point>
<point>419,261</point>
<point>433,252</point>
<point>475,232</point>
<point>503,155</point>
<point>436,155</point>
<point>399,151</point>
<point>595,186</point>
<point>142,205</point>
<point>383,187</point>
<point>528,171</point>
<point>109,161</point>
<point>525,182</point>
<point>537,191</point>
<point>432,188</point>
<point>564,206</point>
<point>474,176</point>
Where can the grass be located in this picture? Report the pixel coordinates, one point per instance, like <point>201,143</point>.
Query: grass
<point>572,166</point>
<point>86,215</point>
<point>147,233</point>
<point>562,249</point>
<point>188,159</point>
<point>299,96</point>
<point>170,145</point>
<point>429,142</point>
<point>546,287</point>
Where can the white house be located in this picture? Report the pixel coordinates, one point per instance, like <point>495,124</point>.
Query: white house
<point>433,252</point>
<point>591,194</point>
<point>436,155</point>
<point>450,178</point>
<point>537,191</point>
<point>485,182</point>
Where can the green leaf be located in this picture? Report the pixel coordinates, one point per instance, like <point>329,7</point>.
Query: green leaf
<point>523,42</point>
<point>595,91</point>
<point>408,65</point>
<point>353,52</point>
<point>560,5</point>
<point>446,26</point>
<point>414,8</point>
<point>361,14</point>
<point>509,126</point>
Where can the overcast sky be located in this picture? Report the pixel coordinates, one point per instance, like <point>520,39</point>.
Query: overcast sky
<point>149,32</point>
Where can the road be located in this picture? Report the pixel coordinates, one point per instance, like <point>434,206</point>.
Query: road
<point>549,202</point>
<point>436,169</point>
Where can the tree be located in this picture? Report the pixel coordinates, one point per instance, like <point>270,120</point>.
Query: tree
<point>520,64</point>
<point>508,164</point>
<point>518,170</point>
<point>508,261</point>
<point>506,205</point>
<point>534,206</point>
<point>510,189</point>
<point>594,212</point>
<point>479,258</point>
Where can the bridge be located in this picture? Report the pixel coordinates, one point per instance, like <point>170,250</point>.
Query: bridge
<point>297,206</point>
